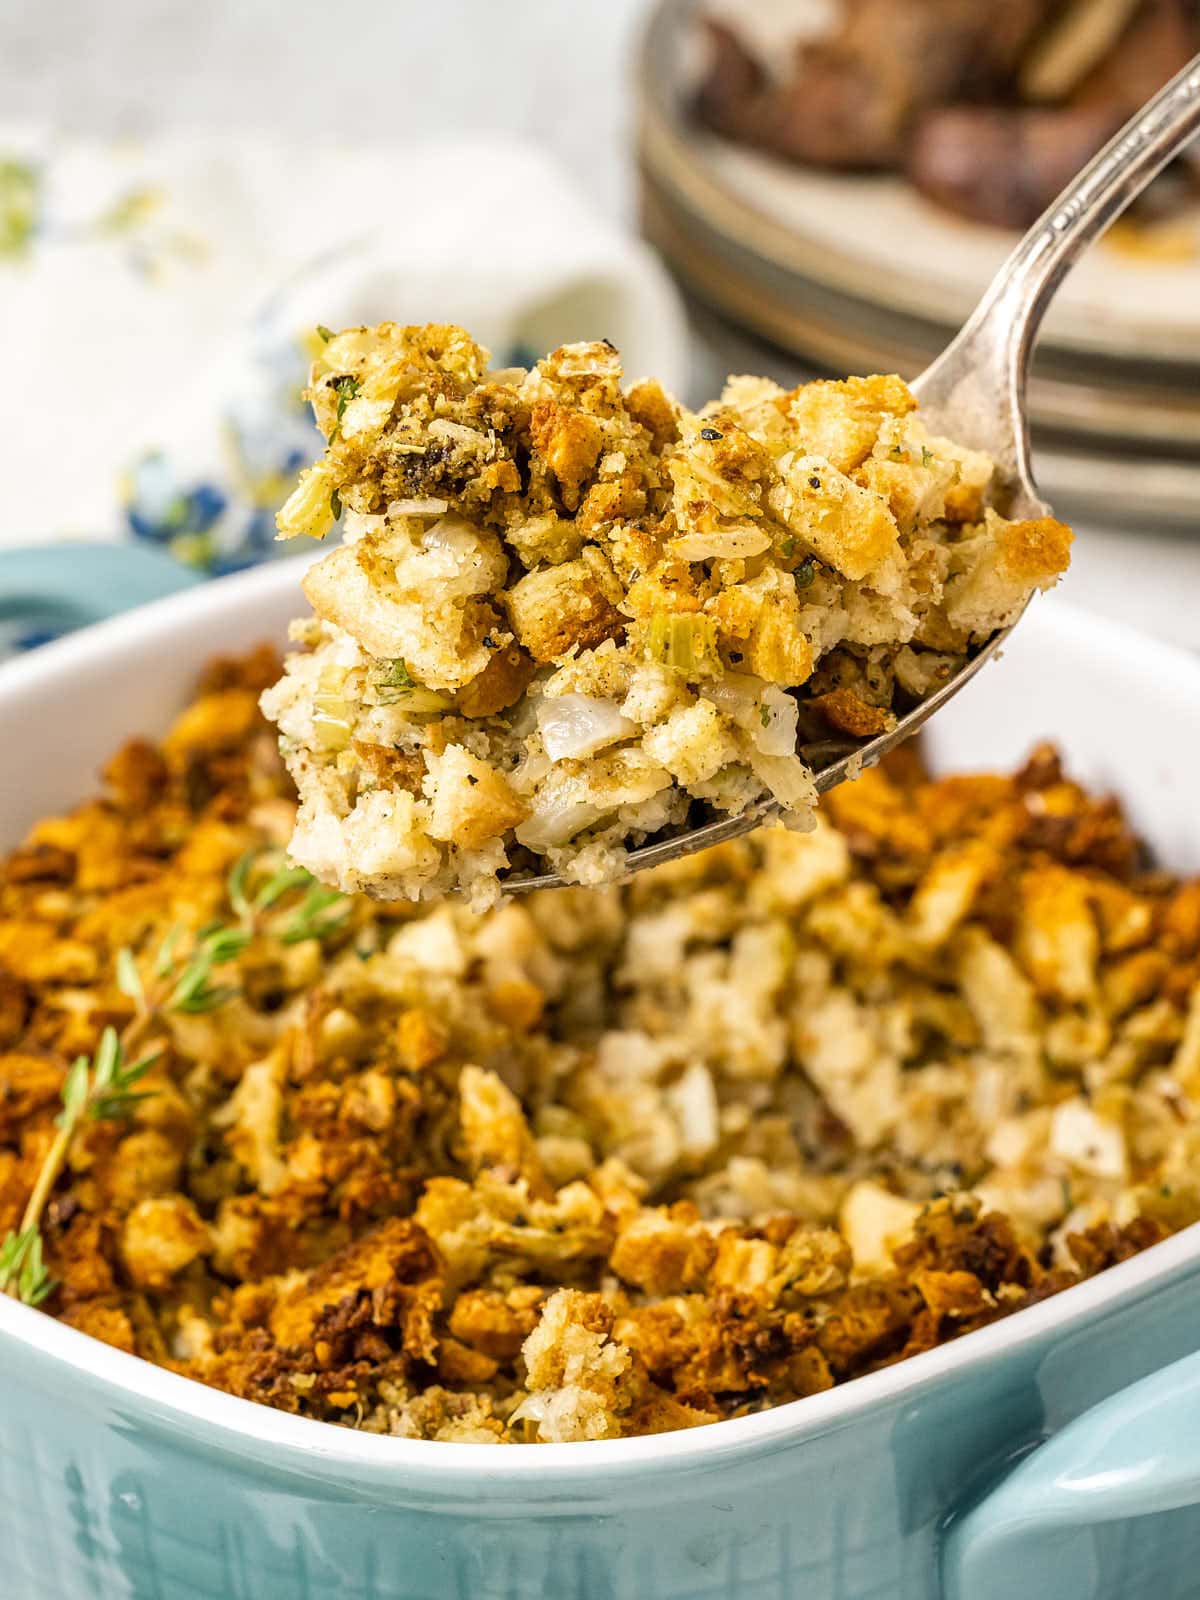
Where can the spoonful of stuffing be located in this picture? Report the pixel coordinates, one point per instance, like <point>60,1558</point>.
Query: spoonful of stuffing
<point>574,629</point>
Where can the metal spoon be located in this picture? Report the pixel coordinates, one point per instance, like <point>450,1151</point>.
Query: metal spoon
<point>975,392</point>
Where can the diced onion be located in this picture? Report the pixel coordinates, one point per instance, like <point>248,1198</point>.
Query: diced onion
<point>738,543</point>
<point>768,713</point>
<point>443,428</point>
<point>452,533</point>
<point>737,694</point>
<point>553,822</point>
<point>431,506</point>
<point>577,725</point>
<point>788,779</point>
<point>778,715</point>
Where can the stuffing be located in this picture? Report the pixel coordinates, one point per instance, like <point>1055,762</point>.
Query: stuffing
<point>561,580</point>
<point>556,610</point>
<point>591,1164</point>
<point>578,1376</point>
<point>840,421</point>
<point>159,1238</point>
<point>844,524</point>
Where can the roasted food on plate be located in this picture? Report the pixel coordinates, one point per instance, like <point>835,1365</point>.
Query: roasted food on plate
<point>599,1162</point>
<point>989,110</point>
<point>567,614</point>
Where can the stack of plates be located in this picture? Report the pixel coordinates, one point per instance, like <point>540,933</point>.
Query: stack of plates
<point>861,274</point>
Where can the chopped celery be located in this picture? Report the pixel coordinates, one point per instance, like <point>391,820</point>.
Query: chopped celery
<point>683,642</point>
<point>308,509</point>
<point>331,710</point>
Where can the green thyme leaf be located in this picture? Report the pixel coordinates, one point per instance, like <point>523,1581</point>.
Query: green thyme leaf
<point>324,333</point>
<point>107,1061</point>
<point>310,921</point>
<point>235,883</point>
<point>12,1252</point>
<point>226,944</point>
<point>129,979</point>
<point>282,882</point>
<point>34,1283</point>
<point>21,1261</point>
<point>216,944</point>
<point>193,983</point>
<point>209,999</point>
<point>116,1107</point>
<point>166,953</point>
<point>335,499</point>
<point>926,455</point>
<point>74,1092</point>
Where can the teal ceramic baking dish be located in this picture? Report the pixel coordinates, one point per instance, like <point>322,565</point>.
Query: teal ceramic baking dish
<point>1054,1454</point>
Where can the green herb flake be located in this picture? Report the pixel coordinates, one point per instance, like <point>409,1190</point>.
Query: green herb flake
<point>346,388</point>
<point>926,455</point>
<point>393,674</point>
<point>335,500</point>
<point>324,333</point>
<point>805,573</point>
<point>764,716</point>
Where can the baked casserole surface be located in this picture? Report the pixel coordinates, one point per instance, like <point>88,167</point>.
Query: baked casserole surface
<point>597,1162</point>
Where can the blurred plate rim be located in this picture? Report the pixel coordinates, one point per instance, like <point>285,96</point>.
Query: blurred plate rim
<point>676,152</point>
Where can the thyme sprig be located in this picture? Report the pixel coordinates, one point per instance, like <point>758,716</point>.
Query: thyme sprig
<point>97,1088</point>
<point>103,1087</point>
<point>306,918</point>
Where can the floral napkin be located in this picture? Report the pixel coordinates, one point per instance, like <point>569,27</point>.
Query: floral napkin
<point>156,304</point>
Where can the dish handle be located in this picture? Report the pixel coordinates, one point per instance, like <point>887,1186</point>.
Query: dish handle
<point>54,588</point>
<point>1136,1453</point>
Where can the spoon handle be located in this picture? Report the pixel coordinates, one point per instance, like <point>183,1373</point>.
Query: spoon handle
<point>995,345</point>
